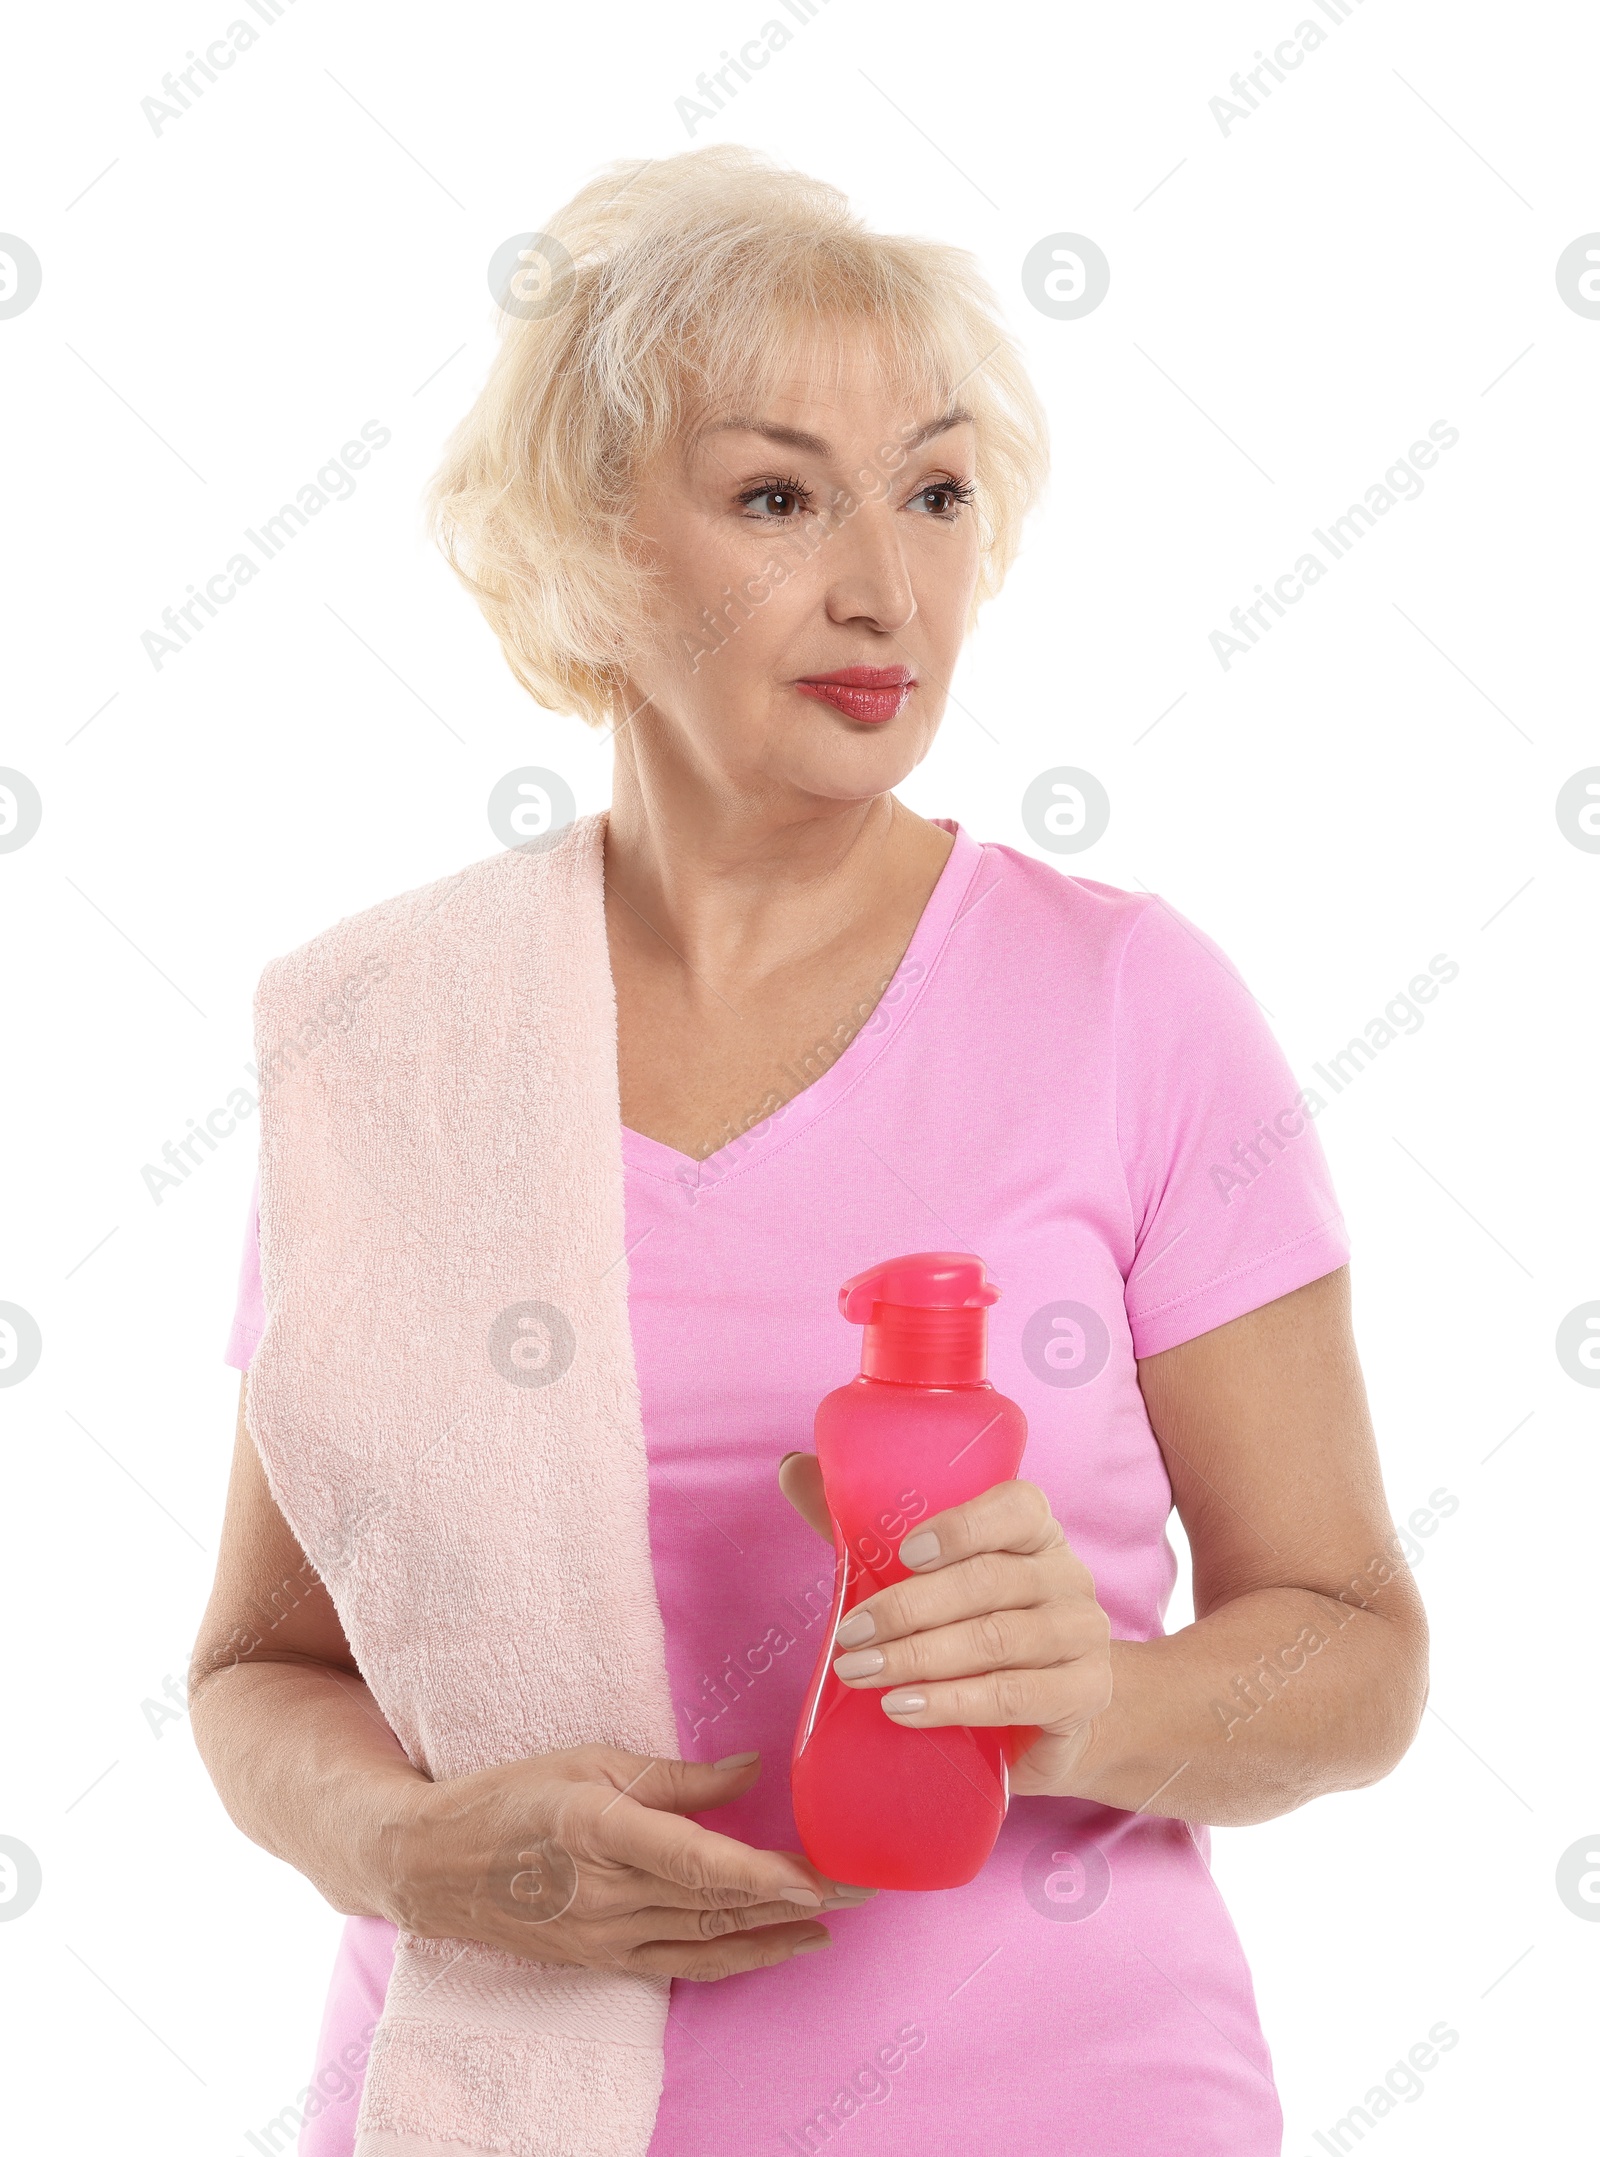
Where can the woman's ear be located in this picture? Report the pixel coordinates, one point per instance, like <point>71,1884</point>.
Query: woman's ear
<point>800,1480</point>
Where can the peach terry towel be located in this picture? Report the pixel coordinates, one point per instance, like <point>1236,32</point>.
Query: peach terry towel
<point>445,1402</point>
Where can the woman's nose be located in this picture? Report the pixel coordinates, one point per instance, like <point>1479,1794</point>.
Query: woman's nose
<point>868,579</point>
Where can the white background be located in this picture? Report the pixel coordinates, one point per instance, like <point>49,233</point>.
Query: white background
<point>1291,305</point>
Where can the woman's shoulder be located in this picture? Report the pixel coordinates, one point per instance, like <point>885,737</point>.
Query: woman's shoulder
<point>1042,899</point>
<point>447,909</point>
<point>1078,928</point>
<point>362,944</point>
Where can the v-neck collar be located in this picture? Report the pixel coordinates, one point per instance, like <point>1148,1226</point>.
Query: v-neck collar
<point>649,1157</point>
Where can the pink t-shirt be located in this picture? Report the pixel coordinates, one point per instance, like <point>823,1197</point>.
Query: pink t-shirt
<point>1072,1081</point>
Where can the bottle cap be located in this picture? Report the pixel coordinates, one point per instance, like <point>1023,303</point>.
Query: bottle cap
<point>925,1318</point>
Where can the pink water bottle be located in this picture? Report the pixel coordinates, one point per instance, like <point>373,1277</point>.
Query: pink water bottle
<point>878,1804</point>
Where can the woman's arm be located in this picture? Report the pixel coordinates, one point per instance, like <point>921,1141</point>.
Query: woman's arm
<point>293,1741</point>
<point>583,1856</point>
<point>1306,1667</point>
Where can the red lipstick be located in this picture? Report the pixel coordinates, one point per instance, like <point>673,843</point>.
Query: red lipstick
<point>872,694</point>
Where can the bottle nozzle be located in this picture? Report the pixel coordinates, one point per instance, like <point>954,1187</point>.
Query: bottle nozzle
<point>925,1318</point>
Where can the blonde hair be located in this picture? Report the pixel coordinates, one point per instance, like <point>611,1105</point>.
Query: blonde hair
<point>672,284</point>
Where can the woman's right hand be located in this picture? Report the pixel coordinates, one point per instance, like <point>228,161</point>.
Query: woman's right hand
<point>585,1857</point>
<point>582,1856</point>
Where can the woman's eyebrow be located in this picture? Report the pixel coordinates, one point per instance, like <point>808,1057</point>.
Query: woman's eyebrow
<point>933,427</point>
<point>812,445</point>
<point>790,437</point>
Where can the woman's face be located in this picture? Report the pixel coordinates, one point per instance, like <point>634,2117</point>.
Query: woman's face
<point>830,531</point>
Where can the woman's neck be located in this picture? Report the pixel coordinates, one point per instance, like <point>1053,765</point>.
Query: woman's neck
<point>740,886</point>
<point>744,930</point>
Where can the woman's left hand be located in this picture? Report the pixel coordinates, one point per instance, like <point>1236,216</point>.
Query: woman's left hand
<point>998,1626</point>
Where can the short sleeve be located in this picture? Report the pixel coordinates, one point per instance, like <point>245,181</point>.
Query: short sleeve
<point>249,1316</point>
<point>1231,1198</point>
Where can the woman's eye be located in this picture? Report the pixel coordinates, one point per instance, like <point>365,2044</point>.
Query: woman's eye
<point>940,501</point>
<point>778,502</point>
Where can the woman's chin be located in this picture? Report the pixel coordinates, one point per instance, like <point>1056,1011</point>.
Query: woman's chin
<point>842,761</point>
<point>839,780</point>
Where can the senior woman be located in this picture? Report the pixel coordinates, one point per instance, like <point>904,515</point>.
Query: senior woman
<point>741,476</point>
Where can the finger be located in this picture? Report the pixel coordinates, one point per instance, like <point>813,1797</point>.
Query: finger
<point>670,1785</point>
<point>705,1962</point>
<point>800,1480</point>
<point>667,1921</point>
<point>677,1850</point>
<point>1027,1639</point>
<point>604,1890</point>
<point>1059,1698</point>
<point>608,1890</point>
<point>966,1588</point>
<point>1006,1516</point>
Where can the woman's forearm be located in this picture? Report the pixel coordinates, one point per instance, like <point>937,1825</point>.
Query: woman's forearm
<point>1271,1700</point>
<point>1274,1698</point>
<point>308,1768</point>
<point>545,1858</point>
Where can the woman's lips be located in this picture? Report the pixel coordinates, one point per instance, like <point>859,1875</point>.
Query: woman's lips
<point>872,694</point>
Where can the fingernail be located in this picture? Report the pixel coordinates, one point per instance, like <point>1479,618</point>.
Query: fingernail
<point>861,1664</point>
<point>905,1703</point>
<point>806,1946</point>
<point>736,1760</point>
<point>919,1548</point>
<point>801,1895</point>
<point>854,1894</point>
<point>859,1626</point>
